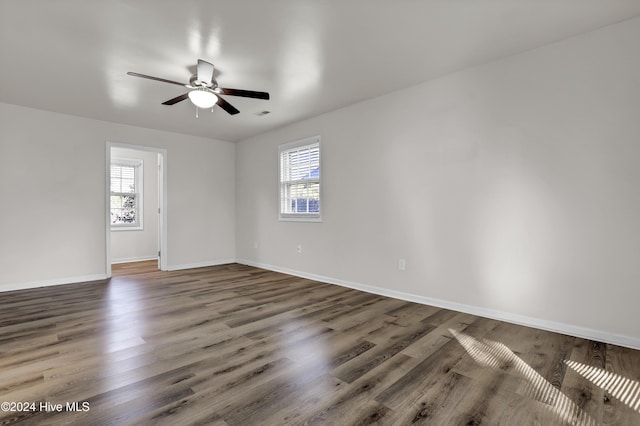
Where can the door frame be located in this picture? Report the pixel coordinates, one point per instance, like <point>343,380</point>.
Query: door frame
<point>162,201</point>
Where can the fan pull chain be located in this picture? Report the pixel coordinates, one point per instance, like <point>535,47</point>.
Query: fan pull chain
<point>196,112</point>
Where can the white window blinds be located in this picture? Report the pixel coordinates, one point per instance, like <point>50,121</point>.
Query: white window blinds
<point>300,179</point>
<point>123,178</point>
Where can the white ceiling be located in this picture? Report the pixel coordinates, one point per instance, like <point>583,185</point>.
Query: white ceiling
<point>313,56</point>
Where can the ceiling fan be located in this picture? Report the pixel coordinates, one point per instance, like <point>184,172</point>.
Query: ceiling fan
<point>204,90</point>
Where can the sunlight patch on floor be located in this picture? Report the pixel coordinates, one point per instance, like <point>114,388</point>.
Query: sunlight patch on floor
<point>498,356</point>
<point>622,388</point>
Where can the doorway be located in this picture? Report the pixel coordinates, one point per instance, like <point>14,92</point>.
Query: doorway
<point>136,205</point>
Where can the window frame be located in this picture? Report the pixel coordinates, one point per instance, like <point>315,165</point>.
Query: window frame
<point>299,216</point>
<point>139,189</point>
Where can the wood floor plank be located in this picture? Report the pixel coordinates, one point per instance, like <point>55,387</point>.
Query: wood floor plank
<point>382,353</point>
<point>348,401</point>
<point>237,345</point>
<point>431,407</point>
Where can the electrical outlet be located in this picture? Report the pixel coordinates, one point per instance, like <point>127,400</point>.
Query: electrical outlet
<point>299,248</point>
<point>402,264</point>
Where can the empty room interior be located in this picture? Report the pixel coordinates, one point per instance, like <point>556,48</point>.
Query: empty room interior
<point>320,213</point>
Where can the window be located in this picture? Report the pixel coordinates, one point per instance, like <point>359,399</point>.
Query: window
<point>126,194</point>
<point>300,180</point>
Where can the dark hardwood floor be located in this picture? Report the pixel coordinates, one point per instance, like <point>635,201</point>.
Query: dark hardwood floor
<point>236,345</point>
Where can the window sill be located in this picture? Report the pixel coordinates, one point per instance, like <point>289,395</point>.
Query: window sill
<point>127,228</point>
<point>300,219</point>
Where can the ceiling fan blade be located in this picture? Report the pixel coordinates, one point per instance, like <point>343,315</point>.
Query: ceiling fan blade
<point>205,71</point>
<point>176,99</point>
<point>227,106</point>
<point>245,93</point>
<point>164,80</point>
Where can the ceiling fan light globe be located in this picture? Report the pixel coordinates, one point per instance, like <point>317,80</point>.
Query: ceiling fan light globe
<point>203,98</point>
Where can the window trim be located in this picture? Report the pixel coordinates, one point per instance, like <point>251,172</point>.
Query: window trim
<point>138,164</point>
<point>300,217</point>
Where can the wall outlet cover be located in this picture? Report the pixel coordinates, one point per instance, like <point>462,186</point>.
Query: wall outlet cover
<point>402,264</point>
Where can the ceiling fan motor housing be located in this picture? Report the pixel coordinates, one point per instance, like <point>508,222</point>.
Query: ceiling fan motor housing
<point>194,82</point>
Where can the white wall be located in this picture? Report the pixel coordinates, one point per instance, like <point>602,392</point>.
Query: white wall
<point>511,189</point>
<point>139,244</point>
<point>52,196</point>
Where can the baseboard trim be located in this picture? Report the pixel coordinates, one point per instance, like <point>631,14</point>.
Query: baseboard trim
<point>133,259</point>
<point>556,327</point>
<point>200,264</point>
<point>48,283</point>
